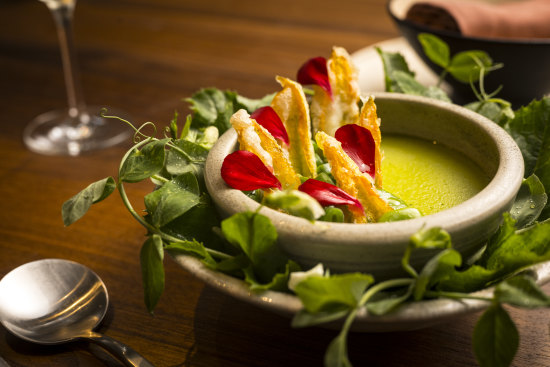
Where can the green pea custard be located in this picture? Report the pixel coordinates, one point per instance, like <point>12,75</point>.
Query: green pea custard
<point>428,176</point>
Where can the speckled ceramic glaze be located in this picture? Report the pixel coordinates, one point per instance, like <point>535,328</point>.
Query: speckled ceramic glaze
<point>377,248</point>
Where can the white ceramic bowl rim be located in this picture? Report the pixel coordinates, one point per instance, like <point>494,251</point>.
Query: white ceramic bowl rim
<point>504,184</point>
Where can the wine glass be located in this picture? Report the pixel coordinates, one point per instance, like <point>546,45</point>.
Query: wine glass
<point>78,128</point>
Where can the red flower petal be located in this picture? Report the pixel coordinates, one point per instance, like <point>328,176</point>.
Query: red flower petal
<point>314,71</point>
<point>243,170</point>
<point>268,118</point>
<point>327,194</point>
<point>359,144</point>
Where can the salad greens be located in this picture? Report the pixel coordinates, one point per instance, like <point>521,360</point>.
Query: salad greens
<point>181,219</point>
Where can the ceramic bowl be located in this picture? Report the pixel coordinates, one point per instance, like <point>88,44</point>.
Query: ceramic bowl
<point>524,77</point>
<point>377,248</point>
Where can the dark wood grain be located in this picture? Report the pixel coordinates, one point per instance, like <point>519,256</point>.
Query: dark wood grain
<point>145,56</point>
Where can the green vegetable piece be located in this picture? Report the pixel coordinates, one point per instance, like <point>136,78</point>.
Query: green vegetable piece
<point>530,130</point>
<point>172,199</point>
<point>432,238</point>
<point>496,110</point>
<point>409,85</point>
<point>305,319</point>
<point>144,163</point>
<point>435,49</point>
<point>438,267</point>
<point>466,66</point>
<point>278,282</point>
<point>400,214</point>
<point>382,303</point>
<point>336,293</point>
<point>336,354</point>
<point>256,236</point>
<point>152,271</point>
<point>192,248</point>
<point>332,214</point>
<point>393,62</point>
<point>212,107</point>
<point>530,201</point>
<point>521,291</point>
<point>295,203</point>
<point>188,157</point>
<point>495,338</point>
<point>74,208</point>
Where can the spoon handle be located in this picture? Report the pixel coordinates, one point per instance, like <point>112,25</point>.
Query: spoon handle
<point>124,353</point>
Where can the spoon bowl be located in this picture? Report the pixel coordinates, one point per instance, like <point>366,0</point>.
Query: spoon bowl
<point>54,301</point>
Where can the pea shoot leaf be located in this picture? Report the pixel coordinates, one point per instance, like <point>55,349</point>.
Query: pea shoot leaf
<point>496,338</point>
<point>335,293</point>
<point>144,163</point>
<point>74,208</point>
<point>256,236</point>
<point>521,291</point>
<point>530,128</point>
<point>152,270</point>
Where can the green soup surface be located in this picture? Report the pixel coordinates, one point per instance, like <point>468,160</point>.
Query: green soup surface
<point>428,176</point>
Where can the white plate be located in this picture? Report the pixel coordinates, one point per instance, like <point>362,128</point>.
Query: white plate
<point>411,316</point>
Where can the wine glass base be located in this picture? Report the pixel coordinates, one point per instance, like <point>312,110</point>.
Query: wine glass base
<point>59,133</point>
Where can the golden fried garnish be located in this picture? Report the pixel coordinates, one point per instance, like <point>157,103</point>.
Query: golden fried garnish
<point>350,179</point>
<point>329,113</point>
<point>291,106</point>
<point>369,120</point>
<point>258,140</point>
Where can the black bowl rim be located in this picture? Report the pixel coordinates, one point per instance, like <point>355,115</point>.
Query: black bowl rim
<point>458,36</point>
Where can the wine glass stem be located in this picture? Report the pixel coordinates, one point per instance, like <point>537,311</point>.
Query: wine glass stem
<point>63,16</point>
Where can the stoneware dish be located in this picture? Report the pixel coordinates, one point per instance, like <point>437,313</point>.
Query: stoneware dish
<point>524,77</point>
<point>377,248</point>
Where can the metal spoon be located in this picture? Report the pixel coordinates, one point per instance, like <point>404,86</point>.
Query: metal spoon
<point>55,301</point>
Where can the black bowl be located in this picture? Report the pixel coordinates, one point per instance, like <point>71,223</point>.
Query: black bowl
<point>524,77</point>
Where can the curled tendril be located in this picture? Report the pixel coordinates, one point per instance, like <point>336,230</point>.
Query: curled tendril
<point>138,135</point>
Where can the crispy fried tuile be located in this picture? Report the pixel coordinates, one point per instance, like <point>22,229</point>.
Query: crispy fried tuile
<point>327,113</point>
<point>369,120</point>
<point>258,140</point>
<point>291,106</point>
<point>351,180</point>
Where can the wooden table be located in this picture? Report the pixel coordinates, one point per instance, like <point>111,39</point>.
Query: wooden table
<point>145,56</point>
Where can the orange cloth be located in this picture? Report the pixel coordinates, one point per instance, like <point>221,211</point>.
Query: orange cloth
<point>515,19</point>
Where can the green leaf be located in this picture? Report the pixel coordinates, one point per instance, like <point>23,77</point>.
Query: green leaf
<point>530,201</point>
<point>172,199</point>
<point>279,281</point>
<point>438,267</point>
<point>466,66</point>
<point>409,85</point>
<point>531,130</point>
<point>435,49</point>
<point>152,271</point>
<point>496,110</point>
<point>393,62</point>
<point>256,236</point>
<point>190,157</point>
<point>252,105</point>
<point>74,208</point>
<point>336,354</point>
<point>192,248</point>
<point>335,293</point>
<point>198,223</point>
<point>304,318</point>
<point>495,338</point>
<point>432,238</point>
<point>509,253</point>
<point>384,302</point>
<point>212,107</point>
<point>521,291</point>
<point>144,163</point>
